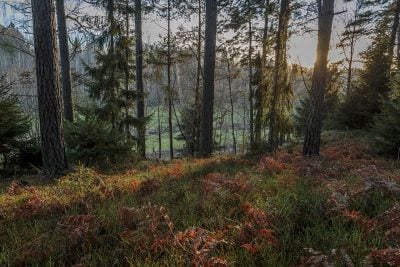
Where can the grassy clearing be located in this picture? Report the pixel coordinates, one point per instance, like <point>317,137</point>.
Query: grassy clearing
<point>216,212</point>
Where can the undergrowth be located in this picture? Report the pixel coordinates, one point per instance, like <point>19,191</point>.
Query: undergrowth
<point>276,210</point>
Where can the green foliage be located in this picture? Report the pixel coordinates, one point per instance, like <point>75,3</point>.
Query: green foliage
<point>110,80</point>
<point>14,126</point>
<point>387,124</point>
<point>190,131</point>
<point>331,102</point>
<point>94,142</point>
<point>359,108</point>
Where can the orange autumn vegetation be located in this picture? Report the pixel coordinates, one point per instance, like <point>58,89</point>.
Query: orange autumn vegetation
<point>223,211</point>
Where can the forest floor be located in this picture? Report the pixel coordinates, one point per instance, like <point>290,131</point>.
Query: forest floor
<point>340,209</point>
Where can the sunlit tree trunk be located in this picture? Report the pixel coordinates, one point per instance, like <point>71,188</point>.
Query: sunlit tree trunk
<point>261,93</point>
<point>281,39</point>
<point>312,138</point>
<point>394,30</point>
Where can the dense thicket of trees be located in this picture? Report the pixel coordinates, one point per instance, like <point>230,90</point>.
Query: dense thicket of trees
<point>226,80</point>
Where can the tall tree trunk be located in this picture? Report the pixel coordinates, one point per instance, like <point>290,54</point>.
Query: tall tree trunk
<point>244,126</point>
<point>65,61</point>
<point>281,38</point>
<point>197,116</point>
<point>111,51</point>
<point>231,102</point>
<point>170,126</point>
<point>139,79</point>
<point>312,138</point>
<point>350,66</point>
<point>352,51</point>
<point>48,86</point>
<point>126,70</point>
<point>159,124</point>
<point>394,31</point>
<point>206,144</point>
<point>262,91</point>
<point>398,50</point>
<point>251,93</point>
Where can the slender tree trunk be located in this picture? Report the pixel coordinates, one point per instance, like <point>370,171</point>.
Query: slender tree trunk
<point>139,79</point>
<point>350,67</point>
<point>312,138</point>
<point>206,144</point>
<point>126,70</point>
<point>263,87</point>
<point>231,102</point>
<point>281,38</point>
<point>65,61</point>
<point>197,105</point>
<point>398,51</point>
<point>159,125</point>
<point>244,126</point>
<point>48,86</point>
<point>111,20</point>
<point>394,31</point>
<point>170,126</point>
<point>352,51</point>
<point>251,93</point>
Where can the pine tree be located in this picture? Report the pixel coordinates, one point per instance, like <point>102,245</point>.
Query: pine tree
<point>331,102</point>
<point>112,77</point>
<point>64,61</point>
<point>14,124</point>
<point>373,83</point>
<point>139,76</point>
<point>48,85</point>
<point>262,73</point>
<point>206,143</point>
<point>280,87</point>
<point>387,123</point>
<point>312,139</point>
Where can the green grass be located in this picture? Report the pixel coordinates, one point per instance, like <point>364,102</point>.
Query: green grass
<point>152,139</point>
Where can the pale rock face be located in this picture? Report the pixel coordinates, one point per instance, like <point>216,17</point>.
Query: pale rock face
<point>17,61</point>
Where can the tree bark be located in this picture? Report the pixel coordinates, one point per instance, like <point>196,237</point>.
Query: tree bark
<point>281,38</point>
<point>170,126</point>
<point>206,144</point>
<point>312,138</point>
<point>398,50</point>
<point>126,70</point>
<point>159,125</point>
<point>64,61</point>
<point>48,86</point>
<point>394,30</point>
<point>251,93</point>
<point>262,91</point>
<point>350,67</point>
<point>231,102</point>
<point>111,51</point>
<point>197,116</point>
<point>139,79</point>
